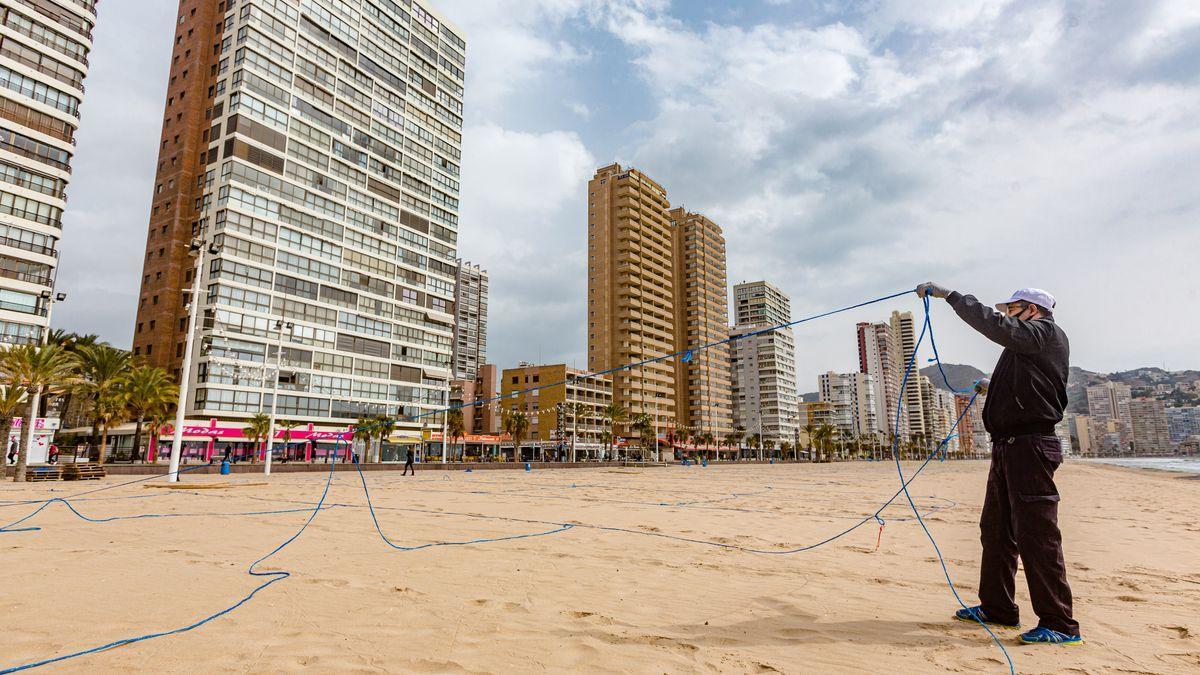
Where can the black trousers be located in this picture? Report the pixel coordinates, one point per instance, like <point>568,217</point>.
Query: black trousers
<point>408,466</point>
<point>1020,519</point>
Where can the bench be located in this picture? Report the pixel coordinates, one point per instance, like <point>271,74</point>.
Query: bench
<point>38,474</point>
<point>82,471</point>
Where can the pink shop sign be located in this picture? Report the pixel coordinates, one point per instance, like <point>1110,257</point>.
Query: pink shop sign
<point>195,431</point>
<point>41,423</point>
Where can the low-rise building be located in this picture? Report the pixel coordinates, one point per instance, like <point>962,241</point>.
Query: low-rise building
<point>540,390</point>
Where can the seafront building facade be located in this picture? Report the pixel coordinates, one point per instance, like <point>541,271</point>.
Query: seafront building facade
<point>631,291</point>
<point>904,333</point>
<point>525,389</point>
<point>1150,431</point>
<point>310,155</point>
<point>763,364</point>
<point>703,390</point>
<point>1109,410</point>
<point>852,397</point>
<point>44,48</point>
<point>879,356</point>
<point>470,325</point>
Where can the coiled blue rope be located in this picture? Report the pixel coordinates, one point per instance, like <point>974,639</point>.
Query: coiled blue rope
<point>562,527</point>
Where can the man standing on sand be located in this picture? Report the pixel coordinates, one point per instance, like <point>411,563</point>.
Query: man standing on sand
<point>1025,399</point>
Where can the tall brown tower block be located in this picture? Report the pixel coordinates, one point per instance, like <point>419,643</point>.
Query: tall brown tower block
<point>630,309</point>
<point>160,330</point>
<point>703,388</point>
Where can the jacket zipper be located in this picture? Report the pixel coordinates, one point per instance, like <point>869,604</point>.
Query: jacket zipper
<point>1018,400</point>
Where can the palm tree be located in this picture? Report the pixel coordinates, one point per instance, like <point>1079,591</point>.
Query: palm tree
<point>101,371</point>
<point>287,425</point>
<point>12,398</point>
<point>364,429</point>
<point>644,426</point>
<point>257,428</point>
<point>383,429</point>
<point>456,428</point>
<point>146,389</point>
<point>605,437</point>
<point>754,442</point>
<point>768,445</point>
<point>110,407</point>
<point>732,439</point>
<point>516,424</point>
<point>784,448</point>
<point>72,341</point>
<point>44,370</point>
<point>810,431</point>
<point>821,438</point>
<point>614,413</point>
<point>707,439</point>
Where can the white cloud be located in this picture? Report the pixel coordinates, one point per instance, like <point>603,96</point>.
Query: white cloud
<point>521,222</point>
<point>580,109</point>
<point>993,149</point>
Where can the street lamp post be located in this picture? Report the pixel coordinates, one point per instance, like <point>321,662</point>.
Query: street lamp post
<point>445,421</point>
<point>279,326</point>
<point>197,248</point>
<point>36,401</point>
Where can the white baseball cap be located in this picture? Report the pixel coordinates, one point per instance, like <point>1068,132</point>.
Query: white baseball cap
<point>1034,295</point>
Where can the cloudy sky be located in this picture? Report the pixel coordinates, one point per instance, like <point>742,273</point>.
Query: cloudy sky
<point>849,151</point>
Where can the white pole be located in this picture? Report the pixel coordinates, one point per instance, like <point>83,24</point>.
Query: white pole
<point>280,325</point>
<point>657,455</point>
<point>574,429</point>
<point>186,370</point>
<point>445,423</point>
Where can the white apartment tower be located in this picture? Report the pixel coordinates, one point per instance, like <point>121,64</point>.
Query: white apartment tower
<point>764,365</point>
<point>855,410</point>
<point>329,137</point>
<point>44,50</point>
<point>903,328</point>
<point>470,327</point>
<point>879,356</point>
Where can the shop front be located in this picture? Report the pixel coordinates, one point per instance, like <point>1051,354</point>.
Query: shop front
<point>216,440</point>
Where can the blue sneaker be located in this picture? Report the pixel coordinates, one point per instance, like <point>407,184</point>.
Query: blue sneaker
<point>976,614</point>
<point>1045,636</point>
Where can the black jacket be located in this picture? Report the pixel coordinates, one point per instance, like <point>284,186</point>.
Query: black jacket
<point>1028,392</point>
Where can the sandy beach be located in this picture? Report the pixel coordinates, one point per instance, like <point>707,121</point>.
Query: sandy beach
<point>640,582</point>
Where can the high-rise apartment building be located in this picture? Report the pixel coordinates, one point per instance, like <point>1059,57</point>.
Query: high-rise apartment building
<point>760,303</point>
<point>1081,434</point>
<point>1108,406</point>
<point>905,335</point>
<point>852,396</point>
<point>315,146</point>
<point>879,356</point>
<point>969,441</point>
<point>1183,423</point>
<point>763,365</point>
<point>939,410</point>
<point>44,50</point>
<point>1149,429</point>
<point>703,391</point>
<point>470,326</point>
<point>630,303</point>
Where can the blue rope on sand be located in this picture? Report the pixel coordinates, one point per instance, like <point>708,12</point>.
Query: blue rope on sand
<point>277,576</point>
